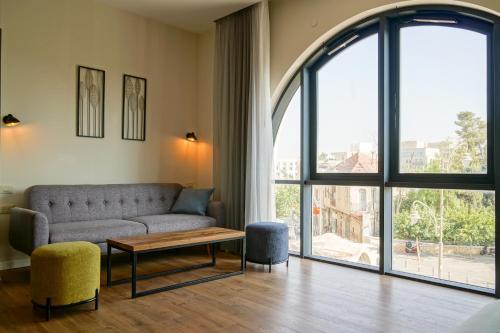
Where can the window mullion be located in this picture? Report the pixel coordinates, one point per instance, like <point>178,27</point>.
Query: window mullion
<point>496,143</point>
<point>306,147</point>
<point>385,201</point>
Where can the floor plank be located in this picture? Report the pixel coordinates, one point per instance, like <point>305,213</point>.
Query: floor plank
<point>309,296</point>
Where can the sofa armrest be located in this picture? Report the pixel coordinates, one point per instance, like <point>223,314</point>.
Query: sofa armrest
<point>28,229</point>
<point>215,209</point>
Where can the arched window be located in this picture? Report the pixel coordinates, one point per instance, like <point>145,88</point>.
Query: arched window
<point>287,161</point>
<point>346,83</point>
<point>392,125</point>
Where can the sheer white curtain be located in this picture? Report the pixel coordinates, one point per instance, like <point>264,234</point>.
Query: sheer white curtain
<point>258,189</point>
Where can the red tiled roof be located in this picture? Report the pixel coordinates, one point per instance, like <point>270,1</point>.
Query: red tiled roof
<point>358,162</point>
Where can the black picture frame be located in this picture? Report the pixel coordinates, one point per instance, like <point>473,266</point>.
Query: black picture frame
<point>90,96</point>
<point>134,105</point>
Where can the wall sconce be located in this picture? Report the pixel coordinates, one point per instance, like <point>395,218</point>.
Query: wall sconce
<point>10,121</point>
<point>190,136</point>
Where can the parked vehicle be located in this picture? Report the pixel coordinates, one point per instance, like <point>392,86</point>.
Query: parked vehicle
<point>410,247</point>
<point>488,250</point>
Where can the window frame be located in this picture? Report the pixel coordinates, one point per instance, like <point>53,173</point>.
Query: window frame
<point>277,118</point>
<point>386,178</point>
<point>443,180</point>
<point>366,30</point>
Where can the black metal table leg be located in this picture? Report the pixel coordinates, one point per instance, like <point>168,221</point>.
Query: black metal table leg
<point>134,274</point>
<point>47,309</point>
<point>214,259</point>
<point>108,271</point>
<point>243,264</point>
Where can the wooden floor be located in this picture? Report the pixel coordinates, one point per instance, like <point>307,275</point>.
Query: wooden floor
<point>308,297</point>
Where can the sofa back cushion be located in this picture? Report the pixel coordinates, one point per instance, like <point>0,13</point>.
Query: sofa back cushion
<point>69,203</point>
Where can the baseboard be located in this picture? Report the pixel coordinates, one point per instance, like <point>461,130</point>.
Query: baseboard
<point>11,264</point>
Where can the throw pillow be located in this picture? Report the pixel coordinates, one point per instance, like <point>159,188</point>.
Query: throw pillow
<point>192,201</point>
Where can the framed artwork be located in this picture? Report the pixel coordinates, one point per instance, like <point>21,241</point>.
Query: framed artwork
<point>90,112</point>
<point>134,108</point>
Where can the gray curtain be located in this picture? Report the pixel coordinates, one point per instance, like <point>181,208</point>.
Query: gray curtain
<point>231,107</point>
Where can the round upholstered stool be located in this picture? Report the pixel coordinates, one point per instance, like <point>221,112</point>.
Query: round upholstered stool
<point>65,274</point>
<point>267,243</point>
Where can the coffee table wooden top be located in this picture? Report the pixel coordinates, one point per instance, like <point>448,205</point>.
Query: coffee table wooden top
<point>175,239</point>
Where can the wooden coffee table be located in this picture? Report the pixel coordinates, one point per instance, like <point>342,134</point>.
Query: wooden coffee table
<point>173,240</point>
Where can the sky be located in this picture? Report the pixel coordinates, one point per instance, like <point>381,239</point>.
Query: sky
<point>443,72</point>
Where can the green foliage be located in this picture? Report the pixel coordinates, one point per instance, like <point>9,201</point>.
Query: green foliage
<point>323,157</point>
<point>287,201</point>
<point>468,217</point>
<point>470,224</point>
<point>403,228</point>
<point>472,142</point>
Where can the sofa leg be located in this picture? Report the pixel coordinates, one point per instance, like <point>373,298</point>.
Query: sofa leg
<point>47,309</point>
<point>270,264</point>
<point>96,299</point>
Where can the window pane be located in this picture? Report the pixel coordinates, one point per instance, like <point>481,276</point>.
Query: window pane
<point>345,223</point>
<point>347,103</point>
<point>287,210</point>
<point>287,144</point>
<point>464,220</point>
<point>443,100</point>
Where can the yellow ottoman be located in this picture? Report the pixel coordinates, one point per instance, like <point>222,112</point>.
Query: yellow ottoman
<point>65,274</point>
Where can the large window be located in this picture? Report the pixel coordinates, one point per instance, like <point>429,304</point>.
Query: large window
<point>385,148</point>
<point>445,234</point>
<point>287,210</point>
<point>345,223</point>
<point>443,100</point>
<point>287,142</point>
<point>347,110</point>
<point>287,159</point>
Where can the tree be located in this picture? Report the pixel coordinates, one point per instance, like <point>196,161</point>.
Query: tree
<point>287,201</point>
<point>469,217</point>
<point>471,144</point>
<point>323,157</point>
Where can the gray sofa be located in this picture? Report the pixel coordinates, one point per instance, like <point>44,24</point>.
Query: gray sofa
<point>94,213</point>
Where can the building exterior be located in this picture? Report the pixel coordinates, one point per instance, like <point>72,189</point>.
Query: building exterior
<point>287,169</point>
<point>417,155</point>
<point>349,212</point>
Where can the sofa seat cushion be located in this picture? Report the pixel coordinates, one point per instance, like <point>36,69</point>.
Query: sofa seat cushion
<point>174,222</point>
<point>94,231</point>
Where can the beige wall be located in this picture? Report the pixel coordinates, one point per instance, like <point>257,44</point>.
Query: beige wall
<point>205,107</point>
<point>298,27</point>
<point>43,42</point>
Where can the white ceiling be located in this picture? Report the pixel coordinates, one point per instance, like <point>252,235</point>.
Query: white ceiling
<point>191,15</point>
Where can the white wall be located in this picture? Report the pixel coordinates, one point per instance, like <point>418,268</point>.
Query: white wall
<point>43,42</point>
